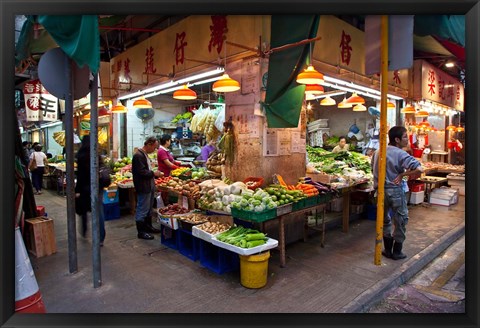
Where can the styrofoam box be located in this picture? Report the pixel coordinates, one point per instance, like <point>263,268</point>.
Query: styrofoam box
<point>271,243</point>
<point>444,196</point>
<point>168,221</point>
<point>417,197</point>
<point>457,182</point>
<point>320,123</point>
<point>199,233</point>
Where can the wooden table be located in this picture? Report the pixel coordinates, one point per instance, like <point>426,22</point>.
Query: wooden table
<point>431,182</point>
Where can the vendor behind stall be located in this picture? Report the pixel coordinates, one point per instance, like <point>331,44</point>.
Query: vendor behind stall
<point>166,162</point>
<point>207,150</point>
<point>342,145</point>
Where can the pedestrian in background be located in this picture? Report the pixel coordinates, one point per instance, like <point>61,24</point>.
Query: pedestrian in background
<point>37,173</point>
<point>144,182</point>
<point>83,188</point>
<point>399,164</point>
<point>342,145</point>
<point>207,150</point>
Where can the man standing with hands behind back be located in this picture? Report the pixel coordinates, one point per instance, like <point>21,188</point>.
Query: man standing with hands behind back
<point>399,164</point>
<point>144,182</point>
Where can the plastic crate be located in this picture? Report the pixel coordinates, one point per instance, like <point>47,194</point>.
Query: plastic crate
<point>40,210</point>
<point>188,245</point>
<point>217,259</point>
<point>298,205</point>
<point>111,211</point>
<point>371,212</point>
<point>322,199</point>
<point>168,237</point>
<point>110,196</point>
<point>254,216</point>
<point>311,201</point>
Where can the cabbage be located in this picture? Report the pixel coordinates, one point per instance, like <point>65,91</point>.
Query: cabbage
<point>226,190</point>
<point>260,208</point>
<point>236,190</point>
<point>256,202</point>
<point>228,209</point>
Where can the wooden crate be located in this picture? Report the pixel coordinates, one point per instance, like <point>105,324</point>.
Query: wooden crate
<point>40,236</point>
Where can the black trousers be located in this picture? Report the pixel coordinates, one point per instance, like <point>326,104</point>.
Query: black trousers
<point>37,178</point>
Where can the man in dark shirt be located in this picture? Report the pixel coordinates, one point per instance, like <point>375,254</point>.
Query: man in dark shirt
<point>143,180</point>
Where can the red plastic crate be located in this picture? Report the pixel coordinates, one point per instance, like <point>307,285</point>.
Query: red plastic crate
<point>40,210</point>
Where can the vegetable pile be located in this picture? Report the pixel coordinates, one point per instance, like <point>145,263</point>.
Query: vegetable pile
<point>214,227</point>
<point>258,201</point>
<point>219,196</point>
<point>243,237</point>
<point>173,209</point>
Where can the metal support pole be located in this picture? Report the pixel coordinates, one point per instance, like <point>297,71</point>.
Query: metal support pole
<point>96,260</point>
<point>382,168</point>
<point>70,174</point>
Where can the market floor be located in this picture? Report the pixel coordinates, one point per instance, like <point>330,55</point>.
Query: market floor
<point>142,276</point>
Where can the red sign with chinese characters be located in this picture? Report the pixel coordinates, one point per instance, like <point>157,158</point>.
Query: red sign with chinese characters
<point>179,49</point>
<point>218,31</point>
<point>431,83</point>
<point>345,48</point>
<point>40,105</point>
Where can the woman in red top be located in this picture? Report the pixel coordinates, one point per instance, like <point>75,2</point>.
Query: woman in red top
<point>166,162</point>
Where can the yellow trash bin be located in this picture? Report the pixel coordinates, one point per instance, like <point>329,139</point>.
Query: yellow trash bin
<point>254,270</point>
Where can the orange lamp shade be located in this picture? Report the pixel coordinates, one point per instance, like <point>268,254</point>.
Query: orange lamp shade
<point>359,108</point>
<point>314,89</point>
<point>451,128</point>
<point>344,104</point>
<point>226,84</point>
<point>421,113</point>
<point>87,117</point>
<point>119,108</point>
<point>310,76</point>
<point>355,99</point>
<point>460,129</point>
<point>408,110</point>
<point>327,101</point>
<point>423,124</point>
<point>390,105</point>
<point>142,103</point>
<point>185,93</point>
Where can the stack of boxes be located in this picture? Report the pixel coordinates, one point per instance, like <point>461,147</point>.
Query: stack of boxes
<point>316,130</point>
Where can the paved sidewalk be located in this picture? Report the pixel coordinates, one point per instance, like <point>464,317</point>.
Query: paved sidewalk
<point>142,276</point>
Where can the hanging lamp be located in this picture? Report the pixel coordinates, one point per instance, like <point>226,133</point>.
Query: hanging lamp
<point>310,75</point>
<point>421,113</point>
<point>119,108</point>
<point>314,89</point>
<point>309,96</point>
<point>142,103</point>
<point>390,105</point>
<point>355,99</point>
<point>225,83</point>
<point>344,104</point>
<point>359,108</point>
<point>459,129</point>
<point>185,93</point>
<point>327,101</point>
<point>451,128</point>
<point>409,109</point>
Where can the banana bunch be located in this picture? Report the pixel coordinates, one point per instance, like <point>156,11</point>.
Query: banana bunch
<point>102,136</point>
<point>59,138</point>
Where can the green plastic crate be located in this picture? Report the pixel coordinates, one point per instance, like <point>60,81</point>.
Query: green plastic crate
<point>254,216</point>
<point>311,201</point>
<point>299,205</point>
<point>322,199</point>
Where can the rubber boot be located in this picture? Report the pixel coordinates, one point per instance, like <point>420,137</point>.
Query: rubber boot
<point>397,251</point>
<point>387,244</point>
<point>141,231</point>
<point>148,225</point>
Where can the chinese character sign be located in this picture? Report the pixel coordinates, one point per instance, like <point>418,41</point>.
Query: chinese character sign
<point>40,105</point>
<point>149,65</point>
<point>179,50</point>
<point>396,77</point>
<point>345,48</point>
<point>217,33</point>
<point>436,85</point>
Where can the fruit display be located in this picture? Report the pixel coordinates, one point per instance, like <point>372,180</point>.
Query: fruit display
<point>257,201</point>
<point>124,164</point>
<point>197,173</point>
<point>242,237</point>
<point>179,171</point>
<point>183,118</point>
<point>172,209</point>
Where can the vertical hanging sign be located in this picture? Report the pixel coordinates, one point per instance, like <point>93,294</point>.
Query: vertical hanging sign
<point>40,105</point>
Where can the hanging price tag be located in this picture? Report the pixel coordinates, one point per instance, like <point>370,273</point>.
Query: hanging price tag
<point>184,201</point>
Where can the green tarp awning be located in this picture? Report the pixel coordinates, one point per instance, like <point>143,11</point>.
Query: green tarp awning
<point>284,97</point>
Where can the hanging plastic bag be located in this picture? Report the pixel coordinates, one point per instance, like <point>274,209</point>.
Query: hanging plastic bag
<point>220,119</point>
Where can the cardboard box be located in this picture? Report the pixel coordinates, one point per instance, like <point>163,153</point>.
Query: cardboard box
<point>417,197</point>
<point>167,221</point>
<point>457,182</point>
<point>321,177</point>
<point>40,236</point>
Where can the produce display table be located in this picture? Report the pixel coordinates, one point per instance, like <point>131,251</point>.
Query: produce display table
<point>431,182</point>
<point>285,210</point>
<point>60,171</point>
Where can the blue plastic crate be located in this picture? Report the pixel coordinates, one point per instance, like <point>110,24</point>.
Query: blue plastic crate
<point>110,196</point>
<point>188,245</point>
<point>217,259</point>
<point>111,211</point>
<point>168,237</point>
